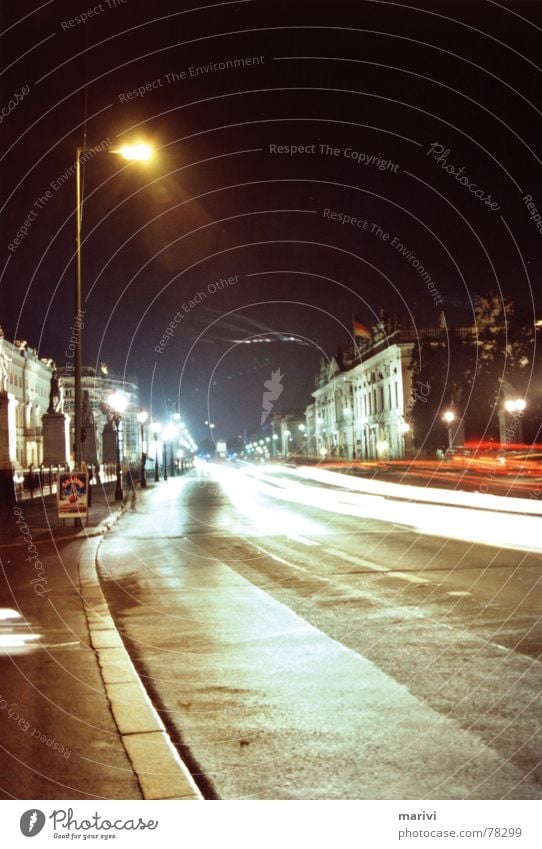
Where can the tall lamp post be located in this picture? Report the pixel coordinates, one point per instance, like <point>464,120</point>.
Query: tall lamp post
<point>156,427</point>
<point>404,429</point>
<point>449,417</point>
<point>170,435</point>
<point>118,403</point>
<point>142,417</point>
<point>140,152</point>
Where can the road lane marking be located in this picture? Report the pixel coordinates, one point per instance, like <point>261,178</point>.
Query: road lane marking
<point>302,540</point>
<point>405,576</point>
<point>357,561</point>
<point>285,562</point>
<point>375,567</point>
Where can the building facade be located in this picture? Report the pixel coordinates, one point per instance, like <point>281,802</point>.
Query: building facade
<point>29,382</point>
<point>99,435</point>
<point>288,433</point>
<point>362,400</point>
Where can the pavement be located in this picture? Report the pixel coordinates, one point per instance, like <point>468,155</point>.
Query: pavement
<point>77,722</point>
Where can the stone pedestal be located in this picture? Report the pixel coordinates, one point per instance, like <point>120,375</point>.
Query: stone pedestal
<point>109,443</point>
<point>56,439</point>
<point>8,453</point>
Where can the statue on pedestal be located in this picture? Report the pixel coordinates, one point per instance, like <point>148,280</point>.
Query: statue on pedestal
<point>56,394</point>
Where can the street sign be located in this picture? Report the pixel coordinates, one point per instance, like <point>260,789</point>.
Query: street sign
<point>72,494</point>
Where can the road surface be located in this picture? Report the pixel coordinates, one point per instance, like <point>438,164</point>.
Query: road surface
<point>299,653</point>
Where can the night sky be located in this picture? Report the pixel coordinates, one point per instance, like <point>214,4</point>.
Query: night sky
<point>379,96</point>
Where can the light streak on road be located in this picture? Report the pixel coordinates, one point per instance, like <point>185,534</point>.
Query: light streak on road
<point>13,640</point>
<point>472,517</point>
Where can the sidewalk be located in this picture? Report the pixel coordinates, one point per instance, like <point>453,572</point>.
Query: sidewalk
<point>61,657</point>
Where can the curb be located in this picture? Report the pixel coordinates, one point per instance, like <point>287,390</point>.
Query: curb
<point>155,761</point>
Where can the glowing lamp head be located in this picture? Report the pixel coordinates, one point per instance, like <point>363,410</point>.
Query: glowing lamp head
<point>137,152</point>
<point>170,432</point>
<point>448,417</point>
<point>142,417</point>
<point>118,401</point>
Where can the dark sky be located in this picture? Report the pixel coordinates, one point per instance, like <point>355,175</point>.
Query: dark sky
<point>366,87</point>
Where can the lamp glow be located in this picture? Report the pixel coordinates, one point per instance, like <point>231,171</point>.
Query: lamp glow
<point>118,401</point>
<point>139,152</point>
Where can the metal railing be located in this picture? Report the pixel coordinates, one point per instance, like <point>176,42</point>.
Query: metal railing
<point>39,481</point>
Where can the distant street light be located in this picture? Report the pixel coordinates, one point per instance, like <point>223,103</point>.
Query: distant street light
<point>139,152</point>
<point>118,403</point>
<point>142,417</point>
<point>171,434</point>
<point>156,427</point>
<point>516,408</point>
<point>449,418</point>
<point>515,405</point>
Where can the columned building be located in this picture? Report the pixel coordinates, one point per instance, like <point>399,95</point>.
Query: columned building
<point>363,398</point>
<point>330,425</point>
<point>97,386</point>
<point>30,384</point>
<point>381,392</point>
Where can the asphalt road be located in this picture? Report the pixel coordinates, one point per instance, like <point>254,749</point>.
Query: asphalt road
<point>299,653</point>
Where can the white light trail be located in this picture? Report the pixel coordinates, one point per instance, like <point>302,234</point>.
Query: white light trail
<point>498,521</point>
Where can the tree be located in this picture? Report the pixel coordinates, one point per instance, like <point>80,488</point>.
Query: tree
<point>476,369</point>
<point>442,372</point>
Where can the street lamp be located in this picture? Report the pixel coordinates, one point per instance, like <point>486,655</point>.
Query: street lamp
<point>156,427</point>
<point>516,408</point>
<point>142,417</point>
<point>170,434</point>
<point>139,152</point>
<point>448,417</point>
<point>118,403</point>
<point>135,152</point>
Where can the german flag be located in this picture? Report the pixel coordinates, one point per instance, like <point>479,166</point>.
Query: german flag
<point>361,329</point>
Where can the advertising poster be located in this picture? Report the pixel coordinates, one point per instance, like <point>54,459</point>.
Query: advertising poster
<point>72,495</point>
